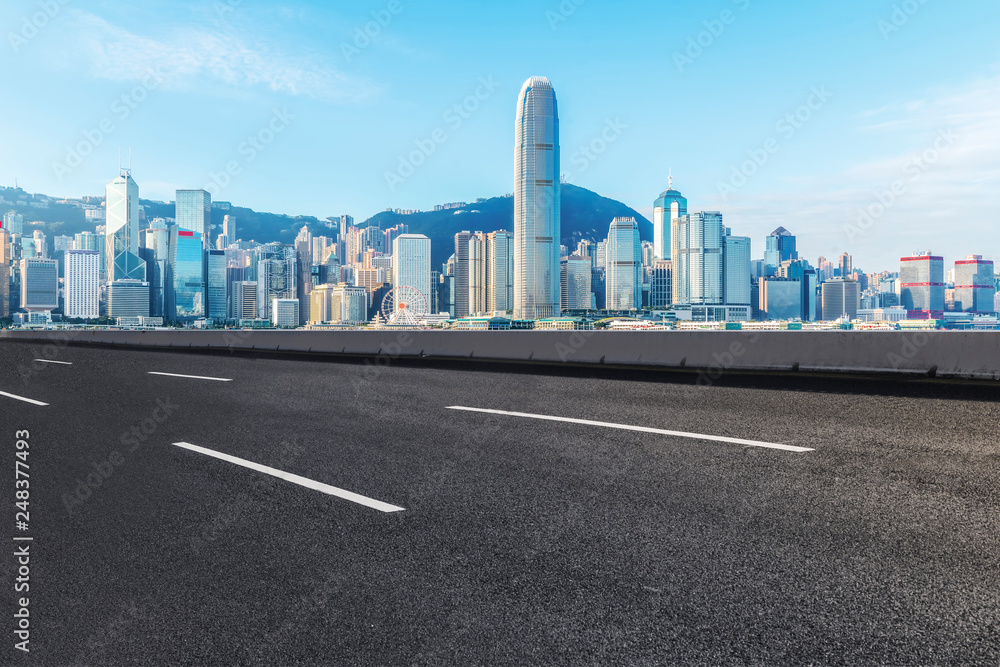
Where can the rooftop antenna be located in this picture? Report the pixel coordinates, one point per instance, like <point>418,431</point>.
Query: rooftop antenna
<point>670,180</point>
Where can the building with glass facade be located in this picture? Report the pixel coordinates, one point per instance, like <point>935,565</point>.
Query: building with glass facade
<point>780,248</point>
<point>193,212</point>
<point>39,284</point>
<point>697,243</point>
<point>736,270</point>
<point>128,298</point>
<point>13,222</point>
<point>974,285</point>
<point>660,292</point>
<point>780,299</point>
<point>186,296</point>
<point>82,288</point>
<point>841,299</point>
<point>537,205</point>
<point>122,230</point>
<point>575,272</point>
<point>499,271</point>
<point>623,271</point>
<point>411,264</point>
<point>285,313</point>
<point>670,206</point>
<point>275,280</point>
<point>922,284</point>
<point>216,285</point>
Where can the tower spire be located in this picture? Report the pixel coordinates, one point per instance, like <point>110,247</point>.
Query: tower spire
<point>670,180</point>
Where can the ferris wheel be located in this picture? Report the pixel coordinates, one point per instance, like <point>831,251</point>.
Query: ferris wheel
<point>404,305</point>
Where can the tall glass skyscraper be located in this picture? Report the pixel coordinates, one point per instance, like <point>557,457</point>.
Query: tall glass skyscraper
<point>697,242</point>
<point>122,230</point>
<point>411,264</point>
<point>193,212</point>
<point>624,267</point>
<point>215,282</point>
<point>780,248</point>
<point>922,283</point>
<point>670,206</point>
<point>536,202</point>
<point>974,285</point>
<point>187,278</point>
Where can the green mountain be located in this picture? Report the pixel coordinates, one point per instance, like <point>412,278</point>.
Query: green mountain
<point>585,215</point>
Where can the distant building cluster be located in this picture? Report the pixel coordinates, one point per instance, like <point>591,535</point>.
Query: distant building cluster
<point>183,271</point>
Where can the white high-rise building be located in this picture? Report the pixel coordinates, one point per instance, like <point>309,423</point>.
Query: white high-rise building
<point>697,247</point>
<point>122,229</point>
<point>624,265</point>
<point>411,264</point>
<point>500,271</point>
<point>536,202</point>
<point>736,271</point>
<point>575,281</point>
<point>244,300</point>
<point>13,222</point>
<point>82,290</point>
<point>666,210</point>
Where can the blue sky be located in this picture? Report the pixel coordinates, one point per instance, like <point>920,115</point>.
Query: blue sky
<point>904,96</point>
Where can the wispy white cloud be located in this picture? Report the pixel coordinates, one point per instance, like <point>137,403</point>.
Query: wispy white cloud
<point>190,57</point>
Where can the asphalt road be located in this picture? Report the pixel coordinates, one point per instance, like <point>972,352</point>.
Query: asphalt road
<point>521,541</point>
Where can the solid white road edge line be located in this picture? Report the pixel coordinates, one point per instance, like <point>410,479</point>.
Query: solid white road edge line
<point>190,377</point>
<point>643,429</point>
<point>50,361</point>
<point>22,398</point>
<point>295,479</point>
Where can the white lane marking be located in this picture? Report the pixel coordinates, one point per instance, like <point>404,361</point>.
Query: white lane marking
<point>643,429</point>
<point>190,377</point>
<point>22,398</point>
<point>50,361</point>
<point>295,479</point>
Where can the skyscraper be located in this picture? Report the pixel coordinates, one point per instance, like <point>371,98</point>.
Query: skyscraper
<point>841,299</point>
<point>670,206</point>
<point>697,247</point>
<point>780,248</point>
<point>624,265</point>
<point>229,229</point>
<point>411,264</point>
<point>275,280</point>
<point>660,292</point>
<point>193,212</point>
<point>736,270</point>
<point>5,264</point>
<point>462,274</point>
<point>82,287</point>
<point>500,271</point>
<point>921,280</point>
<point>122,229</point>
<point>187,276</point>
<point>39,284</point>
<point>244,301</point>
<point>575,282</point>
<point>846,266</point>
<point>974,285</point>
<point>536,202</point>
<point>478,283</point>
<point>13,222</point>
<point>215,285</point>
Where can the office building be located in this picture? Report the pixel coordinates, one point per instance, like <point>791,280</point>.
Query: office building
<point>660,292</point>
<point>736,270</point>
<point>477,274</point>
<point>411,264</point>
<point>229,229</point>
<point>697,248</point>
<point>575,275</point>
<point>5,271</point>
<point>846,266</point>
<point>500,271</point>
<point>186,301</point>
<point>122,230</point>
<point>275,280</point>
<point>841,299</point>
<point>921,279</point>
<point>13,222</point>
<point>339,304</point>
<point>666,210</point>
<point>39,284</point>
<point>244,300</point>
<point>975,285</point>
<point>799,269</point>
<point>82,288</point>
<point>780,248</point>
<point>462,274</point>
<point>780,299</point>
<point>128,298</point>
<point>156,240</point>
<point>193,212</point>
<point>624,266</point>
<point>216,285</point>
<point>536,203</point>
<point>285,313</point>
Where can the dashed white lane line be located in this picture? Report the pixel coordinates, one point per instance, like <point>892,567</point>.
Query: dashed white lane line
<point>642,429</point>
<point>191,377</point>
<point>51,361</point>
<point>22,398</point>
<point>295,479</point>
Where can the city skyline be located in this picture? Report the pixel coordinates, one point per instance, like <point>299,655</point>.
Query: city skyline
<point>861,131</point>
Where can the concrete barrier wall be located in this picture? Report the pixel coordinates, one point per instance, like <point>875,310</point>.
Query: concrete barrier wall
<point>946,354</point>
